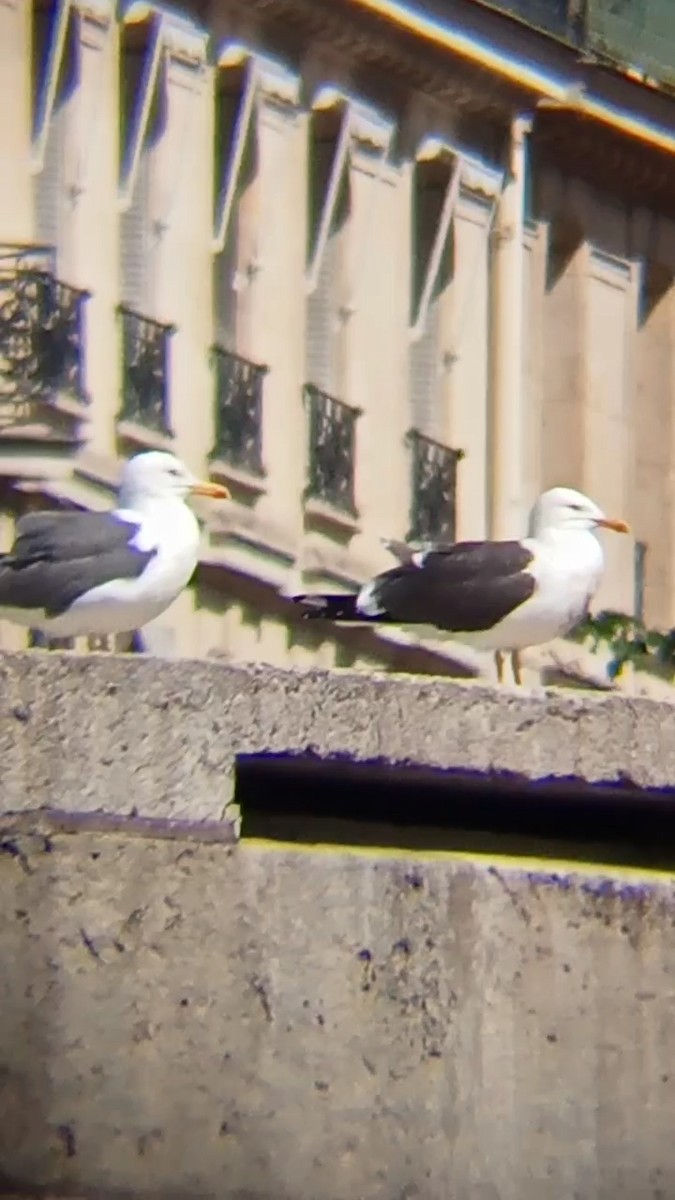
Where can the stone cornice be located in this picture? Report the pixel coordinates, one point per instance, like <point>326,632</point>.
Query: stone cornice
<point>389,62</point>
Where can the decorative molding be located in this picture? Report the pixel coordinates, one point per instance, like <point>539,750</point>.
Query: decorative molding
<point>475,208</point>
<point>531,234</point>
<point>71,406</point>
<point>275,80</point>
<point>47,433</point>
<point>181,37</point>
<point>326,518</point>
<point>479,184</point>
<point>322,559</point>
<point>239,480</point>
<point>99,12</point>
<point>243,539</point>
<point>278,117</point>
<point>378,167</point>
<point>147,439</point>
<point>611,269</point>
<point>368,124</point>
<point>316,575</point>
<point>480,179</point>
<point>28,469</point>
<point>189,76</point>
<point>253,561</point>
<point>102,470</point>
<point>260,542</point>
<point>67,491</point>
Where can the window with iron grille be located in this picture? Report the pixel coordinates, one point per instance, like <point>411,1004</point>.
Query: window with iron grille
<point>42,334</point>
<point>238,411</point>
<point>145,371</point>
<point>332,449</point>
<point>433,507</point>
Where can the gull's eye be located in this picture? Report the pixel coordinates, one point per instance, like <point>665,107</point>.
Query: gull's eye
<point>577,507</point>
<point>175,472</point>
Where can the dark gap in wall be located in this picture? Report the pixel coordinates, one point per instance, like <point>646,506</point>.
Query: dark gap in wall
<point>305,800</point>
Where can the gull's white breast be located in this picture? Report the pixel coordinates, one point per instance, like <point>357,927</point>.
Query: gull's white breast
<point>567,569</point>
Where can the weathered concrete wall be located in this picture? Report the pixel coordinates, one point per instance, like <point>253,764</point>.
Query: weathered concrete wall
<point>182,1020</point>
<point>182,1017</point>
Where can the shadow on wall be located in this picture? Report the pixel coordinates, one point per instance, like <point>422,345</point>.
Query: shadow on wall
<point>302,800</point>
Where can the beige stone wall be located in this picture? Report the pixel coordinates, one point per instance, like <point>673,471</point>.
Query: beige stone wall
<point>584,397</point>
<point>15,123</point>
<point>607,389</point>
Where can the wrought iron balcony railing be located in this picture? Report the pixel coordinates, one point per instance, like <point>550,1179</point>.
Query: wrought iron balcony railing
<point>332,449</point>
<point>239,411</point>
<point>41,333</point>
<point>145,379</point>
<point>433,508</point>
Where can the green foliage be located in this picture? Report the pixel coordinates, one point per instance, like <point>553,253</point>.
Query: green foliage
<point>629,641</point>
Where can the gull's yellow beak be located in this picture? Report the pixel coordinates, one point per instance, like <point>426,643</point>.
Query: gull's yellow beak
<point>611,523</point>
<point>215,491</point>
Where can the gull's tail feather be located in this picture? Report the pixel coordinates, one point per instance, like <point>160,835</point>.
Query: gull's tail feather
<point>330,607</point>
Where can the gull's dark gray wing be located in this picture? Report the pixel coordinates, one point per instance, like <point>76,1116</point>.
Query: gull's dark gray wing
<point>57,557</point>
<point>461,588</point>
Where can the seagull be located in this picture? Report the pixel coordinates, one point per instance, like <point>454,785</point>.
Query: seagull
<point>500,596</point>
<point>97,573</point>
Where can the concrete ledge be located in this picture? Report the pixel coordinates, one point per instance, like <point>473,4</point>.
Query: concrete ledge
<point>158,739</point>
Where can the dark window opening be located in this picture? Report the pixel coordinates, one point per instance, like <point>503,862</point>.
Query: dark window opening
<point>307,801</point>
<point>656,285</point>
<point>323,147</point>
<point>44,30</point>
<point>639,576</point>
<point>430,184</point>
<point>564,242</point>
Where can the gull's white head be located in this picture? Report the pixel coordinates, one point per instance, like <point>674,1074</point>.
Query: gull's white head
<point>563,509</point>
<point>156,475</point>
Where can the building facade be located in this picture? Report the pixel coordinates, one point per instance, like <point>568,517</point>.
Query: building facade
<point>386,274</point>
